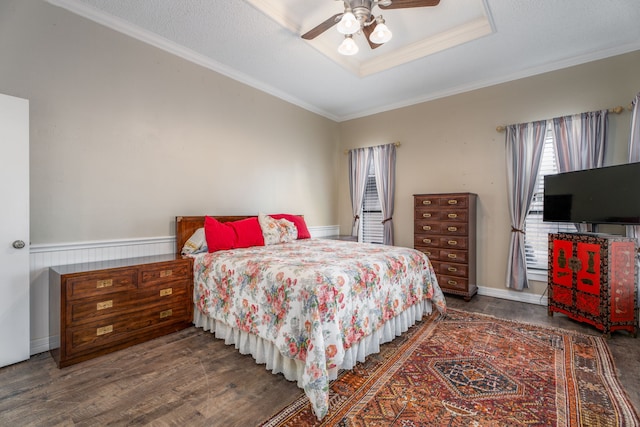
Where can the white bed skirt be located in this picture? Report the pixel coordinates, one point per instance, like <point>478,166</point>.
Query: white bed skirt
<point>264,352</point>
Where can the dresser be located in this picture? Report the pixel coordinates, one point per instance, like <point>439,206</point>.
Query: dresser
<point>100,307</point>
<point>592,279</point>
<point>445,230</point>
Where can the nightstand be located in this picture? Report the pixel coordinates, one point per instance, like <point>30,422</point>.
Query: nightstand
<point>100,307</point>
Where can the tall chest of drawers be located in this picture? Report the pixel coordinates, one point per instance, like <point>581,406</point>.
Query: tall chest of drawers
<point>97,308</point>
<point>445,230</point>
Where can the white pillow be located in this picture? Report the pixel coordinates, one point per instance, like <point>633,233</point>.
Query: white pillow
<point>277,230</point>
<point>196,243</point>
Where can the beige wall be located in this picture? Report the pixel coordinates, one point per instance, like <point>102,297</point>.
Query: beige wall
<point>124,136</point>
<point>451,145</point>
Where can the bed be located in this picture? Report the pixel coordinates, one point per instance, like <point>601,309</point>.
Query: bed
<point>309,307</point>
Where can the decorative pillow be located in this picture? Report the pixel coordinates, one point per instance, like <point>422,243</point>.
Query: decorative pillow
<point>196,243</point>
<point>232,235</point>
<point>301,225</point>
<point>277,230</point>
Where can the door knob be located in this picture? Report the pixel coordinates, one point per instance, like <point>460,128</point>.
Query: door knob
<point>18,244</point>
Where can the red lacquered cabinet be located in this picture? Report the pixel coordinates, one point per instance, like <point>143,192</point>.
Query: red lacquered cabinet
<point>592,279</point>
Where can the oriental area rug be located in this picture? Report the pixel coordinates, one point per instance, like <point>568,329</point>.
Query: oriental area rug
<point>470,369</point>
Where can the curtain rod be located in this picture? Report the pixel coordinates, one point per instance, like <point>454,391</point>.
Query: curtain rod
<point>397,144</point>
<point>616,110</point>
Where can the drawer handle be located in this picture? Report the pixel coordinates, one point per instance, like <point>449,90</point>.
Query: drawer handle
<point>452,229</point>
<point>452,215</point>
<point>104,283</point>
<point>104,330</point>
<point>165,292</point>
<point>426,240</point>
<point>426,202</point>
<point>166,313</point>
<point>426,227</point>
<point>452,242</point>
<point>452,282</point>
<point>426,215</point>
<point>427,253</point>
<point>104,305</point>
<point>452,269</point>
<point>452,256</point>
<point>166,273</point>
<point>453,202</point>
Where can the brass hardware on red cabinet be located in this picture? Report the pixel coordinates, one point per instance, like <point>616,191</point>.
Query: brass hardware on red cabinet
<point>426,240</point>
<point>426,202</point>
<point>166,313</point>
<point>452,256</point>
<point>165,292</point>
<point>452,282</point>
<point>426,215</point>
<point>453,202</point>
<point>452,215</point>
<point>166,273</point>
<point>452,229</point>
<point>452,269</point>
<point>426,227</point>
<point>452,242</point>
<point>104,283</point>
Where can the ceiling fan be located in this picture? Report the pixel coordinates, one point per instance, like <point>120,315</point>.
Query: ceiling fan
<point>358,16</point>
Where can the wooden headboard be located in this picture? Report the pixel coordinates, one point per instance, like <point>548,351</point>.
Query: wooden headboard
<point>187,225</point>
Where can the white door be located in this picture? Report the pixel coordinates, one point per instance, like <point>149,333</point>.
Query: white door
<point>14,230</point>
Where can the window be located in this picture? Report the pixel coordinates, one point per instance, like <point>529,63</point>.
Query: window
<point>371,227</point>
<point>536,241</point>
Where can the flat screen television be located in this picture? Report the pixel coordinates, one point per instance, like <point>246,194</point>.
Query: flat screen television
<point>607,195</point>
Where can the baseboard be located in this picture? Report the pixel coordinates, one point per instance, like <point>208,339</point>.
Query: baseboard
<point>41,345</point>
<point>513,295</point>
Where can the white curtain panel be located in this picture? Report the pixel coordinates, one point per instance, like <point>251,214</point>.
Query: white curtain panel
<point>359,159</point>
<point>523,144</point>
<point>384,164</point>
<point>634,153</point>
<point>634,156</point>
<point>579,142</point>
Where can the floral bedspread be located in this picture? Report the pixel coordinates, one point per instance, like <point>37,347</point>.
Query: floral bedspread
<point>313,298</point>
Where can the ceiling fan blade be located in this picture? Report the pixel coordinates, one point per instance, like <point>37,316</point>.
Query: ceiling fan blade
<point>404,4</point>
<point>315,32</point>
<point>367,30</point>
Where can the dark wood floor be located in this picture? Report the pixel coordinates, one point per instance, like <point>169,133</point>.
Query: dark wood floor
<point>191,379</point>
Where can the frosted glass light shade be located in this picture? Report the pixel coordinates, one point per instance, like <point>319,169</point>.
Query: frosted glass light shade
<point>348,46</point>
<point>380,34</point>
<point>348,24</point>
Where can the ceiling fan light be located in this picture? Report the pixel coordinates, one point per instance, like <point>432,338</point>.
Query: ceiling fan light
<point>380,34</point>
<point>348,46</point>
<point>348,24</point>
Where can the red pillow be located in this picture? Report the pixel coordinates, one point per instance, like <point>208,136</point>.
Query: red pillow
<point>298,221</point>
<point>232,235</point>
<point>248,231</point>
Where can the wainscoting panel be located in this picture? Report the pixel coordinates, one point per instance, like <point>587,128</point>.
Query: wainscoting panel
<point>44,256</point>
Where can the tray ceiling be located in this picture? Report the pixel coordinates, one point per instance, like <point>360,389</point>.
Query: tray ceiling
<point>457,46</point>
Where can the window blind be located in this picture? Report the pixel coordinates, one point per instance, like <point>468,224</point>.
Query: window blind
<point>536,238</point>
<point>372,229</point>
